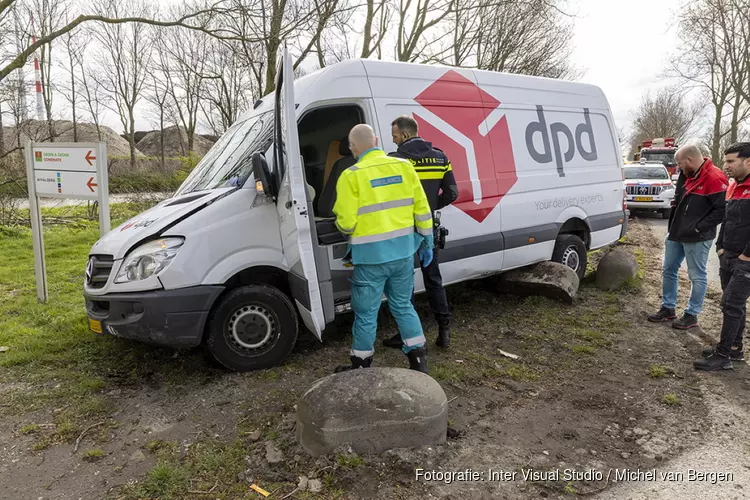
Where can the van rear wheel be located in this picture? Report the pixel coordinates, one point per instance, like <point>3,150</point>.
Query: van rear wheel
<point>254,327</point>
<point>571,251</point>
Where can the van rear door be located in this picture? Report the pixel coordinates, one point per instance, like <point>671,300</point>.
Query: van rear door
<point>291,204</point>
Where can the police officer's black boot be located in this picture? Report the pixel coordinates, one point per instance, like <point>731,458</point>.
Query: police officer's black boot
<point>356,363</point>
<point>444,333</point>
<point>418,359</point>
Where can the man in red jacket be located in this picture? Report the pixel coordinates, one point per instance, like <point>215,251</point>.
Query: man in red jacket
<point>697,208</point>
<point>733,247</point>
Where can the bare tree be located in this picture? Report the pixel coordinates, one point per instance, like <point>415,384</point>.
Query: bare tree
<point>75,46</point>
<point>48,17</point>
<point>127,51</point>
<point>665,114</point>
<point>229,86</point>
<point>159,93</point>
<point>415,21</point>
<point>184,58</point>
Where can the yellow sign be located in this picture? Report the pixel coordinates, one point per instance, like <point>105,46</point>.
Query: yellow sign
<point>644,198</point>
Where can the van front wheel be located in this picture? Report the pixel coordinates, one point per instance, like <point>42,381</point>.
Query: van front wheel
<point>571,251</point>
<point>253,327</point>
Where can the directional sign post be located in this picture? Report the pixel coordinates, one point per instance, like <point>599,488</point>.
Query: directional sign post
<point>64,170</point>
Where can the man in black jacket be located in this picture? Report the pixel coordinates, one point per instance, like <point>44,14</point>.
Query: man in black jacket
<point>434,170</point>
<point>698,207</point>
<point>733,248</point>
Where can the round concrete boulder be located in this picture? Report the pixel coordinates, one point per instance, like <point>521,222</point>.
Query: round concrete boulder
<point>615,268</point>
<point>372,410</point>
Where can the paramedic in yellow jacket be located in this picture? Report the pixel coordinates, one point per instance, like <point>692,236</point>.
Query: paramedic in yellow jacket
<point>381,205</point>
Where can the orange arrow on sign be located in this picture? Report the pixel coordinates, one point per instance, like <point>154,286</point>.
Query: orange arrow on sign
<point>91,183</point>
<point>89,158</point>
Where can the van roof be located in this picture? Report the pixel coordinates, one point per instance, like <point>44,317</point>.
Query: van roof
<point>352,68</point>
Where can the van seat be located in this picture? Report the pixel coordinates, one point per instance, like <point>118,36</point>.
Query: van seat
<point>333,155</point>
<point>327,198</point>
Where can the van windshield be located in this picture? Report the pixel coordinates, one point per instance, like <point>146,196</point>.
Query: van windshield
<point>228,162</point>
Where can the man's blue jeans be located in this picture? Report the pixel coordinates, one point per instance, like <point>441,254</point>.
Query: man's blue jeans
<point>696,255</point>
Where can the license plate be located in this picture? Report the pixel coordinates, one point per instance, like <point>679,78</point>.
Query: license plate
<point>643,198</point>
<point>95,325</point>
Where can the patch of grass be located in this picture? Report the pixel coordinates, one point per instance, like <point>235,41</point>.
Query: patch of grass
<point>657,371</point>
<point>521,374</point>
<point>93,455</point>
<point>51,348</point>
<point>671,400</point>
<point>165,481</point>
<point>570,489</point>
<point>449,371</point>
<point>29,429</point>
<point>583,349</point>
<point>349,460</point>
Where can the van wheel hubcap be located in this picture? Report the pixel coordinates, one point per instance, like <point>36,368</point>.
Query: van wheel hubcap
<point>571,259</point>
<point>251,327</point>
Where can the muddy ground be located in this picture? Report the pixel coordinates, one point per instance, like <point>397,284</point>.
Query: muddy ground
<point>596,388</point>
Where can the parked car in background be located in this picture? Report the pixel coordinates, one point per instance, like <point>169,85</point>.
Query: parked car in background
<point>648,186</point>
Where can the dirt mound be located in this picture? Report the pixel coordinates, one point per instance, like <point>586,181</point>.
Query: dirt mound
<point>175,143</point>
<point>63,130</point>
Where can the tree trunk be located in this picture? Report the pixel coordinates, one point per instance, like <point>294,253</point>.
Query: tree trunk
<point>716,142</point>
<point>73,97</point>
<point>2,132</point>
<point>735,118</point>
<point>131,138</point>
<point>161,137</point>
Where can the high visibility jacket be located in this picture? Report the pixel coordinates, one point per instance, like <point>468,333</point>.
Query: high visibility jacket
<point>381,205</point>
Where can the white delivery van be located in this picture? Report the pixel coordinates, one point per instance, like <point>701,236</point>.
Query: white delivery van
<point>246,248</point>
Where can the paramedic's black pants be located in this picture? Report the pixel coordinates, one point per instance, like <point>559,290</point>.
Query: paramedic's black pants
<point>735,283</point>
<point>433,283</point>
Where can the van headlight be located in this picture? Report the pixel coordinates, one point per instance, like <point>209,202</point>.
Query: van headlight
<point>148,259</point>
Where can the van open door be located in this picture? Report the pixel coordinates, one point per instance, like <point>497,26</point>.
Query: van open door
<point>291,203</point>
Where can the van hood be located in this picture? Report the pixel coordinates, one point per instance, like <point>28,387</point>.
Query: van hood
<point>121,239</point>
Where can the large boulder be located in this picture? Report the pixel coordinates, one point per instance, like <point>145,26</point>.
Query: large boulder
<point>548,279</point>
<point>372,410</point>
<point>616,268</point>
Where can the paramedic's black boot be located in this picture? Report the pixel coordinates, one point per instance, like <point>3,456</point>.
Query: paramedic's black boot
<point>356,363</point>
<point>418,359</point>
<point>444,333</point>
<point>394,342</point>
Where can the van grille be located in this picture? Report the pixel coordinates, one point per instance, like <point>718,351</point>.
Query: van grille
<point>643,190</point>
<point>98,270</point>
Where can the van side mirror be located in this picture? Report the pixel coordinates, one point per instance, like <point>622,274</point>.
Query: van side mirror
<point>263,180</point>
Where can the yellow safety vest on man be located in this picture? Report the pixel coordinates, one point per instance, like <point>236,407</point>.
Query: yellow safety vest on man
<point>382,206</point>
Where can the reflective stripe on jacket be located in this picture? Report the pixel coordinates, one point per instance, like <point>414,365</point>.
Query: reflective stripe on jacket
<point>381,204</point>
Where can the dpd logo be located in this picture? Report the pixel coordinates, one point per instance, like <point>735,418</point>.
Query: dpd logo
<point>460,103</point>
<point>556,130</point>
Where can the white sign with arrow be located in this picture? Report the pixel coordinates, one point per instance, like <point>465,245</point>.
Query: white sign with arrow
<point>64,170</point>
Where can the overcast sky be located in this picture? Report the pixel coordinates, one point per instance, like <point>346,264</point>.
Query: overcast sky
<point>622,45</point>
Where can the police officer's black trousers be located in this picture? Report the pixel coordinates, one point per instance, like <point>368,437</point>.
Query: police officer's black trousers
<point>433,283</point>
<point>735,283</point>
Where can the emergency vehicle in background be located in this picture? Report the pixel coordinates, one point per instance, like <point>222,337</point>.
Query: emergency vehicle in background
<point>662,150</point>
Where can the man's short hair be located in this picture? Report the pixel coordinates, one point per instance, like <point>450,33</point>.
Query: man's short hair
<point>406,124</point>
<point>741,148</point>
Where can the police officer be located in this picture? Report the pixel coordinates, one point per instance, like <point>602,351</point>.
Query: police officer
<point>733,248</point>
<point>380,203</point>
<point>435,173</point>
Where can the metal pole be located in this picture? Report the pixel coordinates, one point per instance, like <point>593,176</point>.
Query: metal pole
<point>101,166</point>
<point>40,266</point>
